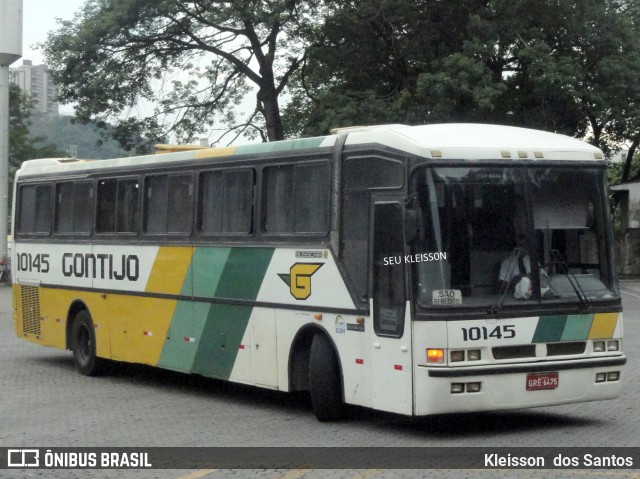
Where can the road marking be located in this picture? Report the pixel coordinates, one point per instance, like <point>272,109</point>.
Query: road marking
<point>630,292</point>
<point>294,474</point>
<point>365,474</point>
<point>197,474</point>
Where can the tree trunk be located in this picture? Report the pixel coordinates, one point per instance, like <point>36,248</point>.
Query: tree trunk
<point>268,102</point>
<point>627,163</point>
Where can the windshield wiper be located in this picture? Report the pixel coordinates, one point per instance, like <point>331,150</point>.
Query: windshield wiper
<point>573,281</point>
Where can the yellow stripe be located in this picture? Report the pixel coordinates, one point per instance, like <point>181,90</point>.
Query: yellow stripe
<point>214,152</point>
<point>169,269</point>
<point>603,326</point>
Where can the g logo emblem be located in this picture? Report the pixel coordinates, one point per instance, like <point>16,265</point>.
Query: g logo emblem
<point>299,279</point>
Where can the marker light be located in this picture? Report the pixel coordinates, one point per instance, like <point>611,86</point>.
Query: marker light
<point>457,356</point>
<point>473,355</point>
<point>613,346</point>
<point>473,387</point>
<point>598,346</point>
<point>457,388</point>
<point>435,356</point>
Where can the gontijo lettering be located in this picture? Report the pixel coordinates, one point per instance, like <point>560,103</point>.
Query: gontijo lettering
<point>102,266</point>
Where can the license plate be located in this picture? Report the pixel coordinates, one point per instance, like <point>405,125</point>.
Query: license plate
<point>536,382</point>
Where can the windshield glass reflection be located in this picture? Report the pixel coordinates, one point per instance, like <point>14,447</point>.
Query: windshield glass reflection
<point>510,235</point>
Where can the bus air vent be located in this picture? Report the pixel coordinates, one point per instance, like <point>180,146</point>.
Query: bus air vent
<point>30,302</point>
<point>562,349</point>
<point>514,352</point>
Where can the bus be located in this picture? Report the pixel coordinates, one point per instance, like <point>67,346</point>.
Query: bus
<point>412,269</point>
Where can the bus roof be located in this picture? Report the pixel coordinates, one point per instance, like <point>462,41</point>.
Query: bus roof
<point>439,141</point>
<point>477,142</point>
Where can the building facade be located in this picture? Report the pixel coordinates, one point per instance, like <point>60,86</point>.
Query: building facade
<point>36,80</point>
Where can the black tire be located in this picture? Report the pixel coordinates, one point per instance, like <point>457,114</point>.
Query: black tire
<point>325,383</point>
<point>83,344</point>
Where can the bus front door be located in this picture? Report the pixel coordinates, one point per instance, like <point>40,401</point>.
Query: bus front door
<point>391,339</point>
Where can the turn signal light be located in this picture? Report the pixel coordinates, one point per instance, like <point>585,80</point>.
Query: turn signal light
<point>435,356</point>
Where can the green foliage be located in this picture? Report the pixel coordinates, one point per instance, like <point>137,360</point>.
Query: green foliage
<point>568,67</point>
<point>196,61</point>
<point>22,144</point>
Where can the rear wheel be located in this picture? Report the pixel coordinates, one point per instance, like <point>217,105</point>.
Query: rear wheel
<point>83,344</point>
<point>325,383</point>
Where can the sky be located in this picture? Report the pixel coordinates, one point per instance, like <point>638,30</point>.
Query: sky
<point>39,17</point>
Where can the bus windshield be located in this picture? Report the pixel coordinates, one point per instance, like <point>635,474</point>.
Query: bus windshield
<point>506,235</point>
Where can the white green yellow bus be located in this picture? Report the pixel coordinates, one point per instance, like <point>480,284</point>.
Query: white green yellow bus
<point>362,267</point>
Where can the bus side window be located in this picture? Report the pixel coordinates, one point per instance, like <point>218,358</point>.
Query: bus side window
<point>117,206</point>
<point>169,204</point>
<point>35,209</point>
<point>226,202</point>
<point>74,208</point>
<point>361,175</point>
<point>388,279</point>
<point>296,199</point>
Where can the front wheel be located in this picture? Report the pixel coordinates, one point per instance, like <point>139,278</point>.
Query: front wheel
<point>325,383</point>
<point>83,344</point>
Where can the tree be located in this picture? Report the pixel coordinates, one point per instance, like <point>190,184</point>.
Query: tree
<point>204,56</point>
<point>568,67</point>
<point>364,61</point>
<point>22,146</point>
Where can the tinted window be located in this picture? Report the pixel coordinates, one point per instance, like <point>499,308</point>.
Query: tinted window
<point>360,175</point>
<point>169,204</point>
<point>74,207</point>
<point>388,280</point>
<point>227,202</point>
<point>297,198</point>
<point>35,209</point>
<point>117,206</point>
<point>238,201</point>
<point>313,186</point>
<point>370,172</point>
<point>278,197</point>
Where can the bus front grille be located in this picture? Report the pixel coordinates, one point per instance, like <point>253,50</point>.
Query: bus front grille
<point>30,302</point>
<point>514,352</point>
<point>529,350</point>
<point>563,349</point>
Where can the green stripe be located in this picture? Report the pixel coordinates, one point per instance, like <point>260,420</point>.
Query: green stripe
<point>549,329</point>
<point>207,265</point>
<point>225,324</point>
<point>244,272</point>
<point>176,352</point>
<point>286,145</point>
<point>234,273</point>
<point>577,327</point>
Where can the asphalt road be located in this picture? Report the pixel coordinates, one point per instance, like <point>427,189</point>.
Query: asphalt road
<point>45,403</point>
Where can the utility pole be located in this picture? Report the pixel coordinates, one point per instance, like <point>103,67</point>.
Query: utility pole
<point>10,51</point>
